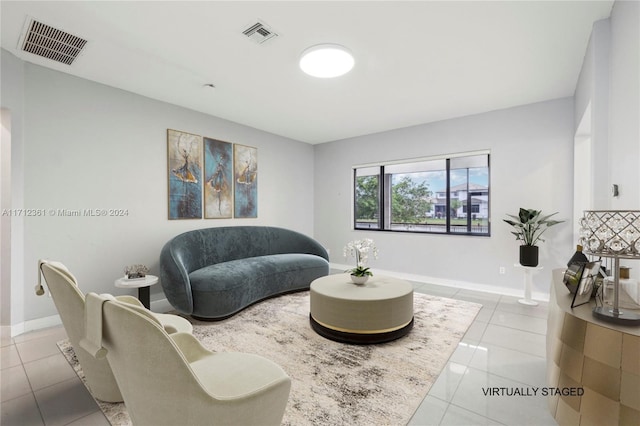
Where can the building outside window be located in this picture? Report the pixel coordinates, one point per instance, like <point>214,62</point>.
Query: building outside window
<point>425,195</point>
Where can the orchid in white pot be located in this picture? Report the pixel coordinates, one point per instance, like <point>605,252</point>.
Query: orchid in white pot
<point>360,250</point>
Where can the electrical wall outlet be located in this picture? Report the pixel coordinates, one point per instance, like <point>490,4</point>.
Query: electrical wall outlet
<point>503,270</point>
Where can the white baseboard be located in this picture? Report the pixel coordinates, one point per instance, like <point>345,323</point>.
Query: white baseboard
<point>466,285</point>
<point>35,324</point>
<point>161,305</point>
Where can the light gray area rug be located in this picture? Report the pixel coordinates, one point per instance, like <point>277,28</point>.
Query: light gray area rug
<point>335,383</point>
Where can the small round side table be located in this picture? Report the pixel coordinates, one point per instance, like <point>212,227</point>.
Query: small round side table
<point>142,284</point>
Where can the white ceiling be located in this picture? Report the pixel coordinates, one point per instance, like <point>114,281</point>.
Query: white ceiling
<point>416,61</point>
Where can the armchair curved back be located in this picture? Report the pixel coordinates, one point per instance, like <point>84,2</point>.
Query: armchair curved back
<point>70,301</point>
<point>161,386</point>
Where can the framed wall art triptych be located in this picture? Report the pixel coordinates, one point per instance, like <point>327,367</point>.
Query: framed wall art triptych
<point>211,178</point>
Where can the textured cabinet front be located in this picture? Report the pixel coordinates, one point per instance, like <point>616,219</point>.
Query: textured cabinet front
<point>601,361</point>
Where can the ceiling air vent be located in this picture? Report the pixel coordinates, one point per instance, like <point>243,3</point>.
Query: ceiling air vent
<point>51,43</point>
<point>259,32</point>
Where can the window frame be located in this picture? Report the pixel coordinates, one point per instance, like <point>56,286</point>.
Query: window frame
<point>384,187</point>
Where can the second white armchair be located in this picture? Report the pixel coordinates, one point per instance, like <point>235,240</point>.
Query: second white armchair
<point>173,380</point>
<point>70,303</point>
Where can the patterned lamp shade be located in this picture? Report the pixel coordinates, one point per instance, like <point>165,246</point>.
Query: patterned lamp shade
<point>611,233</point>
<point>616,234</point>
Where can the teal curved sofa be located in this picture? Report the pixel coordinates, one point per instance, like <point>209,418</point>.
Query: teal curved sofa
<point>214,273</point>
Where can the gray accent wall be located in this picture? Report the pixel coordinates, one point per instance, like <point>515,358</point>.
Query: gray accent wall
<point>531,166</point>
<point>90,146</point>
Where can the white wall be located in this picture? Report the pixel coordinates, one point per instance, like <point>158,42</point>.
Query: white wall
<point>531,166</point>
<point>592,98</point>
<point>77,144</point>
<point>87,145</point>
<point>5,220</point>
<point>624,100</point>
<point>610,83</point>
<point>12,91</point>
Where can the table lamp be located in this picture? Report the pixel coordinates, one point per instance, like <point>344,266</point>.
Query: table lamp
<point>614,234</point>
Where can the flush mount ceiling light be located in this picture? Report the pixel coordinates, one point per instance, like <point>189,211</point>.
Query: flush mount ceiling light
<point>326,61</point>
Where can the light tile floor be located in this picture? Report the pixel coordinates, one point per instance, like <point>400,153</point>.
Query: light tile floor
<point>503,348</point>
<point>39,387</point>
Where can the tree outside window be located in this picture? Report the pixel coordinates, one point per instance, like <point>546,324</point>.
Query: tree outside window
<point>410,201</point>
<point>367,198</point>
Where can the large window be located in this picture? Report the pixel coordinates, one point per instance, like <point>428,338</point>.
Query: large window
<point>447,194</point>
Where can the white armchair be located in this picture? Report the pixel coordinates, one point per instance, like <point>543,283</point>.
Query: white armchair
<point>173,380</point>
<point>70,303</point>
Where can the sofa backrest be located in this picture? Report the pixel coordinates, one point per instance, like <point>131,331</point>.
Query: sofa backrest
<point>202,247</point>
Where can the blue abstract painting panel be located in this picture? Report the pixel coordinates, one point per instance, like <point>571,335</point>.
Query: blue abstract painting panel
<point>218,179</point>
<point>184,158</point>
<point>245,175</point>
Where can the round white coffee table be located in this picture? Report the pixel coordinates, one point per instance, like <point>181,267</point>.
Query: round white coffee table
<point>142,284</point>
<point>379,311</point>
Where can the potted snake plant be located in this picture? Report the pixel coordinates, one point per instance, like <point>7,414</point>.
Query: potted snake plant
<point>529,226</point>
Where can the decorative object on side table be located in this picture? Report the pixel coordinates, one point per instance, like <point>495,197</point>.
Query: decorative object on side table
<point>572,276</point>
<point>578,257</point>
<point>529,226</point>
<point>615,234</point>
<point>135,272</point>
<point>142,284</point>
<point>360,249</point>
<point>584,290</point>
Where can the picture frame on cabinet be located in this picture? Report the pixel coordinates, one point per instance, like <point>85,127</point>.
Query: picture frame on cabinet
<point>587,282</point>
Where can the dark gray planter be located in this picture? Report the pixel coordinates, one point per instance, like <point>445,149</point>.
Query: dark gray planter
<point>529,255</point>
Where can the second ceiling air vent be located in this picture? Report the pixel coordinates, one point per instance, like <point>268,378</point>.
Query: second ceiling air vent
<point>259,32</point>
<point>51,43</point>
